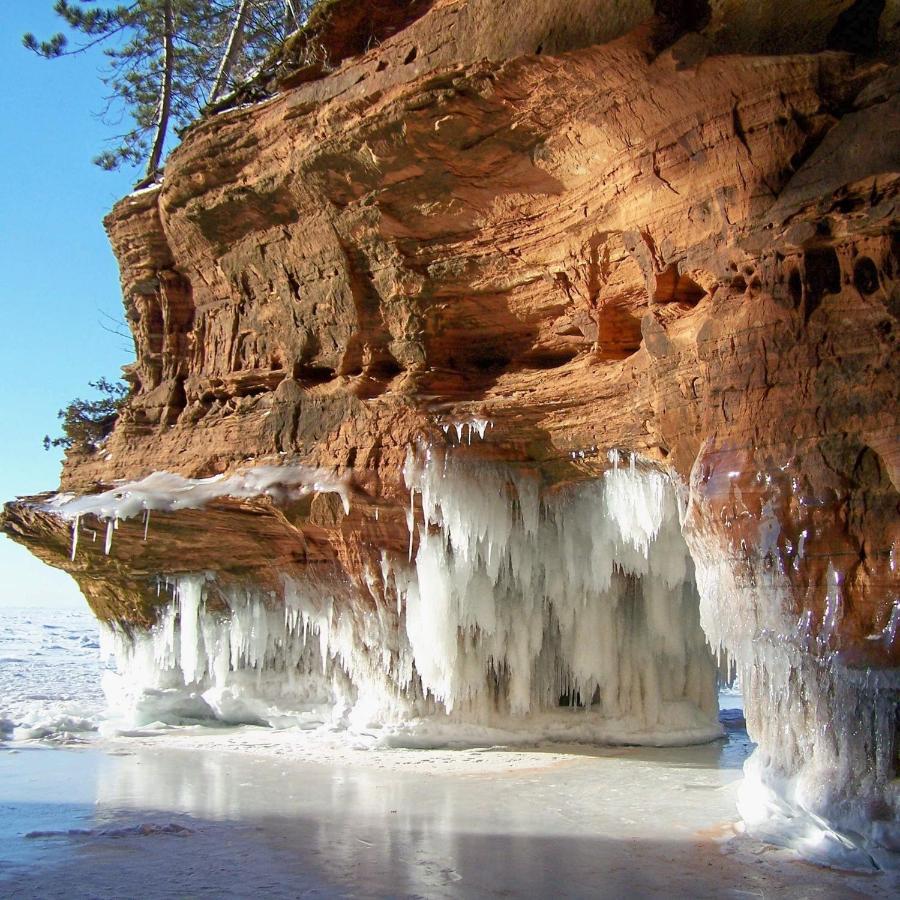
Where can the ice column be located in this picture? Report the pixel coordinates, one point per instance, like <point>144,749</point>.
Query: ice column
<point>823,779</point>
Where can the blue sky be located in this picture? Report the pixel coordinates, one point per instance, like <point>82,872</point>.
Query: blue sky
<point>59,277</point>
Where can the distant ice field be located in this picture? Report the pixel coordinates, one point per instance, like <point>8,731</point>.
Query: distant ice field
<point>50,673</point>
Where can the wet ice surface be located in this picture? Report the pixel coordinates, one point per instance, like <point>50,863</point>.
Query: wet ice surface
<point>215,820</point>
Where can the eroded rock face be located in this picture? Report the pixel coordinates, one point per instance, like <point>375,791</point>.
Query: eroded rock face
<point>595,226</point>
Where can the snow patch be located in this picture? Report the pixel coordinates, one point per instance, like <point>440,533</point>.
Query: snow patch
<point>169,492</point>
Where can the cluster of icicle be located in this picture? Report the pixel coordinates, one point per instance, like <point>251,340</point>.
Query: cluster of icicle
<point>229,654</point>
<point>512,608</point>
<point>588,594</point>
<point>467,429</point>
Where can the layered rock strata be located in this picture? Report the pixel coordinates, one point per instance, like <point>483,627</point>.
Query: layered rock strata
<point>519,237</point>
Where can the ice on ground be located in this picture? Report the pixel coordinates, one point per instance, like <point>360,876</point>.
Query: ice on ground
<point>591,824</point>
<point>49,675</point>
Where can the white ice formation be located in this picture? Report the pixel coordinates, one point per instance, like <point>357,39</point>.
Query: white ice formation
<point>585,613</point>
<point>571,616</point>
<point>168,492</point>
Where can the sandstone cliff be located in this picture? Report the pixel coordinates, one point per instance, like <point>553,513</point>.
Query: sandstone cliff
<point>663,228</point>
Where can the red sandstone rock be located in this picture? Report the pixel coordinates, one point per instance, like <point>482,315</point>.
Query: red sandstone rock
<point>597,227</point>
<point>667,228</point>
<point>698,245</point>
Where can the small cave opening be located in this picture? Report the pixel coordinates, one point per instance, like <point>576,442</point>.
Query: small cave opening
<point>570,699</point>
<point>865,275</point>
<point>480,359</point>
<point>730,693</point>
<point>312,375</point>
<point>549,357</point>
<point>674,287</point>
<point>823,276</point>
<point>618,329</point>
<point>385,369</point>
<point>176,403</point>
<point>856,28</point>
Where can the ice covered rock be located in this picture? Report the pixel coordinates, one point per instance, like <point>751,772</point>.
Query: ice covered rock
<point>572,614</point>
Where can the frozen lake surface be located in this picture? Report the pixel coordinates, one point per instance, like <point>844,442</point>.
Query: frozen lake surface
<point>138,818</point>
<point>49,674</point>
<point>240,812</point>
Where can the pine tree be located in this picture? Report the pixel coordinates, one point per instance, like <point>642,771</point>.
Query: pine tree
<point>87,423</point>
<point>167,59</point>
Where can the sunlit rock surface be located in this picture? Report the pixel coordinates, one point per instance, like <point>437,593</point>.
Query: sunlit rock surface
<point>464,275</point>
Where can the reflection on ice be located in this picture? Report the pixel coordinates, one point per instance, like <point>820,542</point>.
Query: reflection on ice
<point>547,822</point>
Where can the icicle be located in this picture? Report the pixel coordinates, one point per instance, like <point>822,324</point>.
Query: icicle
<point>889,634</point>
<point>146,522</point>
<point>833,605</point>
<point>74,537</point>
<point>411,520</point>
<point>189,592</point>
<point>110,526</point>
